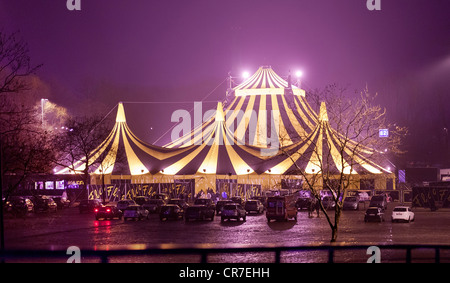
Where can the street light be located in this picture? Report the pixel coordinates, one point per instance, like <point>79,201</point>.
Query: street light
<point>299,75</point>
<point>43,100</point>
<point>245,74</point>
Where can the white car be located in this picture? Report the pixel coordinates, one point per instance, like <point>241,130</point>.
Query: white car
<point>402,213</point>
<point>135,212</point>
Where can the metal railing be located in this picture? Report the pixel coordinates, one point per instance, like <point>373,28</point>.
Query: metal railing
<point>205,251</point>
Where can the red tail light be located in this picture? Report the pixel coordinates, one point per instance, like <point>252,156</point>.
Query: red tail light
<point>108,210</point>
<point>96,210</point>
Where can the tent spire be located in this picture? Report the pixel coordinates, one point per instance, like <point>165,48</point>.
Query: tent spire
<point>323,115</point>
<point>220,116</point>
<point>120,118</point>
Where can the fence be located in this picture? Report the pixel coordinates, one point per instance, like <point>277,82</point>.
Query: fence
<point>205,251</point>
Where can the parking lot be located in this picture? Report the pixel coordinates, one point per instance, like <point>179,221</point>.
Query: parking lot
<point>68,227</point>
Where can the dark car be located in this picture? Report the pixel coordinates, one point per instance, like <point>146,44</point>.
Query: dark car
<point>303,203</point>
<point>89,205</point>
<point>61,201</point>
<point>233,210</point>
<point>220,204</point>
<point>178,201</point>
<point>378,201</point>
<point>45,204</point>
<point>171,211</point>
<point>19,206</point>
<point>205,201</point>
<point>199,212</point>
<point>374,214</point>
<point>262,199</point>
<point>238,200</point>
<point>108,211</point>
<point>153,205</point>
<point>140,200</point>
<point>254,205</point>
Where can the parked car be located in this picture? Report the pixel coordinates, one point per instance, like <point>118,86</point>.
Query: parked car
<point>45,204</point>
<point>153,205</point>
<point>262,199</point>
<point>17,203</point>
<point>107,211</point>
<point>233,210</point>
<point>374,214</point>
<point>171,211</point>
<point>364,195</point>
<point>89,205</point>
<point>402,213</point>
<point>328,202</point>
<point>254,205</point>
<point>199,212</point>
<point>61,201</point>
<point>220,204</point>
<point>140,200</point>
<point>135,211</point>
<point>281,208</point>
<point>351,203</point>
<point>378,201</point>
<point>178,201</point>
<point>123,204</point>
<point>237,200</point>
<point>303,203</point>
<point>205,201</point>
<point>164,197</point>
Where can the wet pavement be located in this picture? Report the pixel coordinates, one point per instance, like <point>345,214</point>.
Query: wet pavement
<point>57,231</point>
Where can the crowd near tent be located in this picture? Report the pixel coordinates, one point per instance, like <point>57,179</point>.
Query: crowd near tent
<point>243,149</point>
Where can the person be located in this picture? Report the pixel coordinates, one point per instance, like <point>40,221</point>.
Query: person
<point>311,207</point>
<point>317,206</point>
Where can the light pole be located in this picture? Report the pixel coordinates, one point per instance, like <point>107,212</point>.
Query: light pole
<point>43,100</point>
<point>299,75</point>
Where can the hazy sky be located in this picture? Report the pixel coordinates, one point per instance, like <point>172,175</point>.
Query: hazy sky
<point>180,50</point>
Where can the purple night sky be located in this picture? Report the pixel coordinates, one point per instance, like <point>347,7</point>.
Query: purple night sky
<point>173,50</point>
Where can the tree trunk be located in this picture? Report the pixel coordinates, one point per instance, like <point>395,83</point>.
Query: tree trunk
<point>334,234</point>
<point>335,227</point>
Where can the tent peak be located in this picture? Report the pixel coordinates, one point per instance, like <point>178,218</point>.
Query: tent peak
<point>323,115</point>
<point>220,116</point>
<point>120,118</point>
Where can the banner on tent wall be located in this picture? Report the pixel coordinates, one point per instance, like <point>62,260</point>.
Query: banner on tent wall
<point>181,189</point>
<point>432,197</point>
<point>231,188</point>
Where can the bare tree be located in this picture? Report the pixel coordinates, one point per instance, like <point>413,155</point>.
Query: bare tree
<point>25,146</point>
<point>344,148</point>
<point>78,146</point>
<point>15,64</point>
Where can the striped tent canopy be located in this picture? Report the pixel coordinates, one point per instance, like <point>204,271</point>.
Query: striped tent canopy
<point>219,153</point>
<point>265,117</point>
<point>325,150</point>
<point>122,153</point>
<point>263,111</point>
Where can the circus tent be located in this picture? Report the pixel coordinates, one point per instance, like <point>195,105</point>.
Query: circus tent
<point>263,110</point>
<point>326,149</point>
<point>246,140</point>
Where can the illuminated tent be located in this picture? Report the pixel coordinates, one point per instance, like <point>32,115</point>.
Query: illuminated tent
<point>264,111</point>
<point>325,149</point>
<point>122,153</point>
<point>262,118</point>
